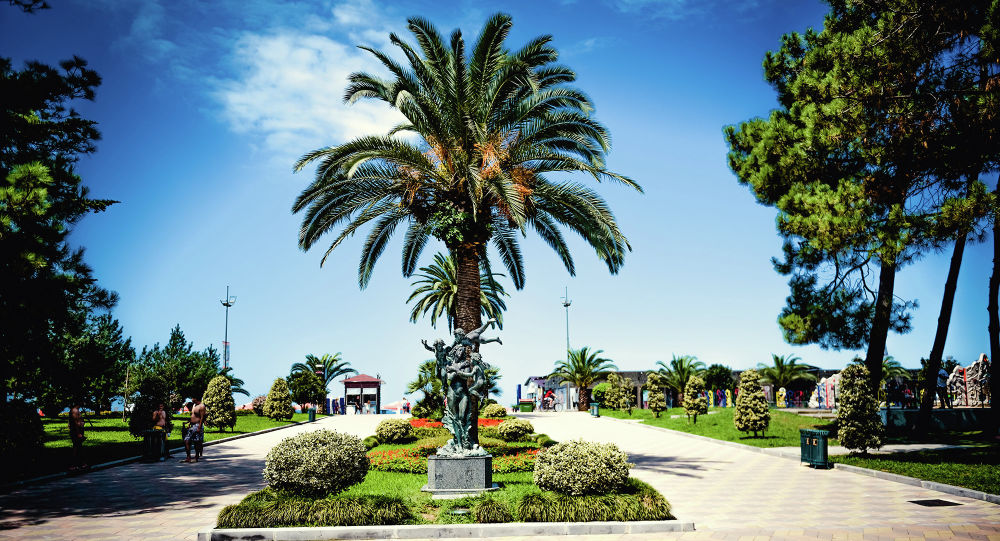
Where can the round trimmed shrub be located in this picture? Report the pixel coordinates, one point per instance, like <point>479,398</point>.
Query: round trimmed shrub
<point>544,440</point>
<point>394,430</point>
<point>371,442</point>
<point>278,405</point>
<point>258,405</point>
<point>493,411</point>
<point>514,429</point>
<point>220,404</point>
<point>316,463</point>
<point>580,467</point>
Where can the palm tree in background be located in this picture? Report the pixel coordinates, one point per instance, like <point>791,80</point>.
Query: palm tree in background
<point>437,289</point>
<point>492,382</point>
<point>490,124</point>
<point>679,371</point>
<point>890,369</point>
<point>785,371</point>
<point>428,383</point>
<point>582,369</point>
<point>236,384</point>
<point>328,367</point>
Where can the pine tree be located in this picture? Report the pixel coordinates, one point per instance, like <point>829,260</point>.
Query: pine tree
<point>219,403</point>
<point>860,428</point>
<point>279,401</point>
<point>694,402</point>
<point>751,413</point>
<point>620,394</point>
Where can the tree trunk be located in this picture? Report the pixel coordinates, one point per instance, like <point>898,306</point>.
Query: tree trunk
<point>940,336</point>
<point>994,325</point>
<point>584,404</point>
<point>880,324</point>
<point>468,306</point>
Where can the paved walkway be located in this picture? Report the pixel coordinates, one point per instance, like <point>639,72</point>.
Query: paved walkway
<point>728,492</point>
<point>169,500</point>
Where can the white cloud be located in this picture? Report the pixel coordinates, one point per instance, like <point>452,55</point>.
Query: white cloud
<point>676,10</point>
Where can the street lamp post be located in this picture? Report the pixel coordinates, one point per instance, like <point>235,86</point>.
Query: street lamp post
<point>566,302</point>
<point>230,300</point>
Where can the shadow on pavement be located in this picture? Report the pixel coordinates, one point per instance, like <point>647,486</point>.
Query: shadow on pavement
<point>671,465</point>
<point>135,489</point>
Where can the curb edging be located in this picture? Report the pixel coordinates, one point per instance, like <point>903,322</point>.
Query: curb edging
<point>885,476</point>
<point>446,530</point>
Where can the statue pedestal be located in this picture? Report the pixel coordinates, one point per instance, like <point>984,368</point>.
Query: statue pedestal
<point>456,477</point>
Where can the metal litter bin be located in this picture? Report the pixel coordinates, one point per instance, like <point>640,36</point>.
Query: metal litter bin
<point>312,414</point>
<point>814,447</point>
<point>595,409</point>
<point>152,445</point>
<point>527,407</point>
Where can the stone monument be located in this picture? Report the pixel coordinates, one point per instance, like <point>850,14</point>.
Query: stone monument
<point>461,467</point>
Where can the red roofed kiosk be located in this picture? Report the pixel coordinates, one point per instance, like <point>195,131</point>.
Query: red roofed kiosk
<point>363,389</point>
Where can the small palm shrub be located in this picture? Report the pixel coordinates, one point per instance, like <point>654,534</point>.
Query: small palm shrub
<point>219,403</point>
<point>858,425</point>
<point>493,411</point>
<point>751,413</point>
<point>316,463</point>
<point>637,501</point>
<point>579,467</point>
<point>394,430</point>
<point>258,405</point>
<point>514,429</point>
<point>279,401</point>
<point>694,403</point>
<point>490,511</point>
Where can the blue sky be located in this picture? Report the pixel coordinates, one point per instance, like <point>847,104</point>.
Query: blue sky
<point>206,105</point>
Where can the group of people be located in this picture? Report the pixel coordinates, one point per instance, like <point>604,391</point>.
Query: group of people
<point>194,434</point>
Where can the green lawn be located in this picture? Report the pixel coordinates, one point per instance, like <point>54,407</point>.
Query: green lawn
<point>108,439</point>
<point>977,468</point>
<point>782,432</point>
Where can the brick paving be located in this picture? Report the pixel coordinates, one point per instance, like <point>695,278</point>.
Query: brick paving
<point>728,492</point>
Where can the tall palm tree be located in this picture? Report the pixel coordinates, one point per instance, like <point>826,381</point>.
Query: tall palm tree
<point>890,369</point>
<point>328,367</point>
<point>679,371</point>
<point>236,384</point>
<point>582,369</point>
<point>437,290</point>
<point>785,371</point>
<point>489,125</point>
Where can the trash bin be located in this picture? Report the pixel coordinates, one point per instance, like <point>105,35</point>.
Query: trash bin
<point>595,409</point>
<point>312,414</point>
<point>527,406</point>
<point>151,445</point>
<point>814,447</point>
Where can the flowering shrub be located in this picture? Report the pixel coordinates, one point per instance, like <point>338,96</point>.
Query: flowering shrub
<point>489,422</point>
<point>506,458</point>
<point>319,462</point>
<point>493,411</point>
<point>581,467</point>
<point>514,429</point>
<point>522,461</point>
<point>417,423</point>
<point>393,431</point>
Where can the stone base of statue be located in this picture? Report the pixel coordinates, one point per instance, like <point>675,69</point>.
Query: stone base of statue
<point>459,476</point>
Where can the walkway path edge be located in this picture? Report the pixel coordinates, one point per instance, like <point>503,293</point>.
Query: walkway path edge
<point>7,487</point>
<point>885,476</point>
<point>443,531</point>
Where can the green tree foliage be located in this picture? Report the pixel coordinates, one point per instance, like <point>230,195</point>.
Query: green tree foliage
<point>858,425</point>
<point>657,384</point>
<point>694,403</point>
<point>657,404</point>
<point>149,389</point>
<point>599,394</point>
<point>427,382</point>
<point>220,404</point>
<point>784,371</point>
<point>328,367</point>
<point>751,413</point>
<point>186,372</point>
<point>436,292</point>
<point>679,371</point>
<point>620,394</point>
<point>49,300</point>
<point>490,124</point>
<point>891,369</point>
<point>278,405</point>
<point>306,388</point>
<point>236,384</point>
<point>717,377</point>
<point>880,128</point>
<point>582,369</point>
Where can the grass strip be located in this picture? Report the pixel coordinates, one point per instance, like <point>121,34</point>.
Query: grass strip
<point>977,468</point>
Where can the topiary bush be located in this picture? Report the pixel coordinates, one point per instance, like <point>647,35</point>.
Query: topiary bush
<point>493,411</point>
<point>490,511</point>
<point>751,413</point>
<point>858,425</point>
<point>394,431</point>
<point>316,463</point>
<point>514,429</point>
<point>219,403</point>
<point>694,403</point>
<point>279,401</point>
<point>371,442</point>
<point>579,467</point>
<point>620,394</point>
<point>258,405</point>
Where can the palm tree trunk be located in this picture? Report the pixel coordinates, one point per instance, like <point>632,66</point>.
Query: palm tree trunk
<point>994,325</point>
<point>940,336</point>
<point>584,404</point>
<point>880,324</point>
<point>468,307</point>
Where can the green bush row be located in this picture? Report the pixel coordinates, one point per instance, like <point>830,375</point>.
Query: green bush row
<point>270,508</point>
<point>638,501</point>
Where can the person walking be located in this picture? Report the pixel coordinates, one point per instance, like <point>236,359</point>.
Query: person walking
<point>162,431</point>
<point>942,388</point>
<point>195,435</point>
<point>77,436</point>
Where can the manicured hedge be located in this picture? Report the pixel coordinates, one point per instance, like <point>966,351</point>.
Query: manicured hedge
<point>270,508</point>
<point>638,501</point>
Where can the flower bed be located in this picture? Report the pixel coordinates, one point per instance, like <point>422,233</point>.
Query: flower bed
<point>413,458</point>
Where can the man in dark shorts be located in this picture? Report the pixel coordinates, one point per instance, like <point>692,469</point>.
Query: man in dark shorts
<point>160,426</point>
<point>196,431</point>
<point>77,437</point>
